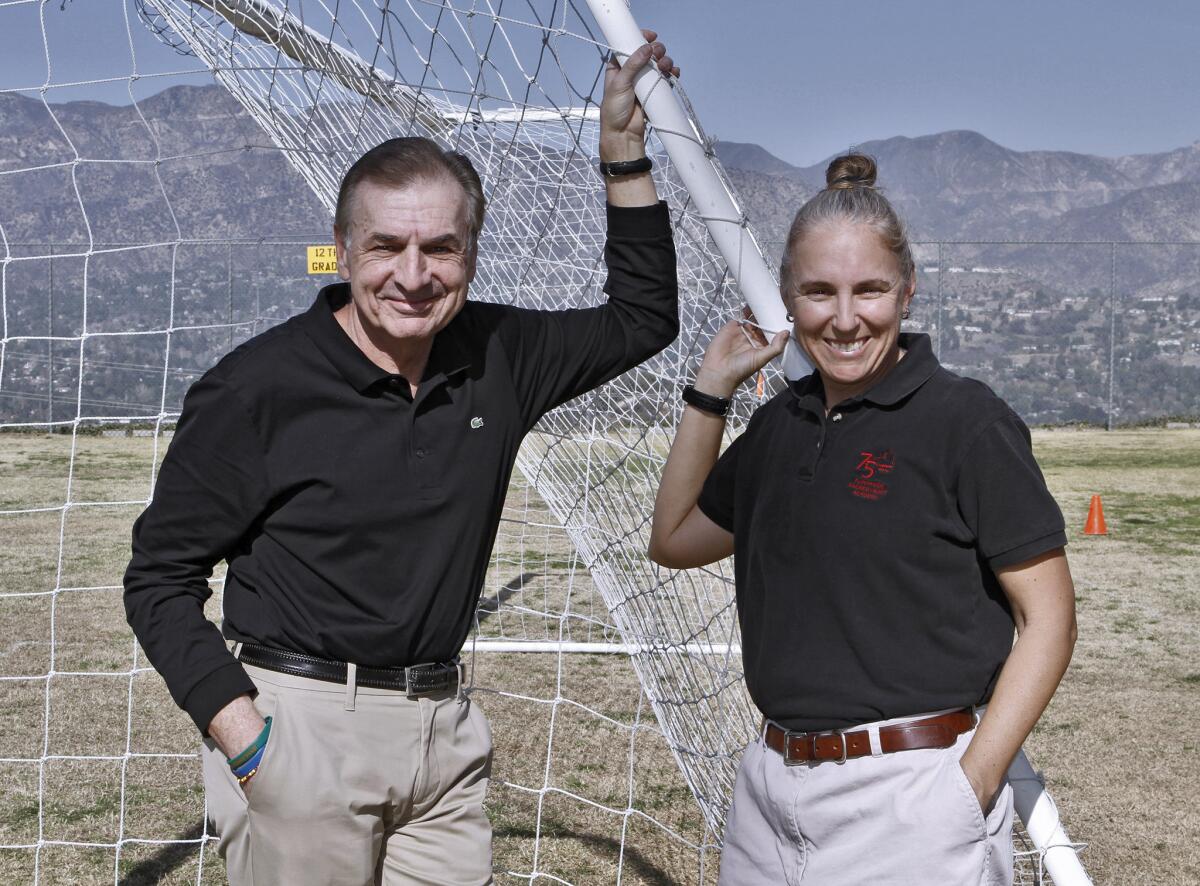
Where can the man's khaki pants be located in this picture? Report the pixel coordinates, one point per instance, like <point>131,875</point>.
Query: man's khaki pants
<point>904,819</point>
<point>356,786</point>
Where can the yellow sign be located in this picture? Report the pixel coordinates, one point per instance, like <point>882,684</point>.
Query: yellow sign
<point>322,259</point>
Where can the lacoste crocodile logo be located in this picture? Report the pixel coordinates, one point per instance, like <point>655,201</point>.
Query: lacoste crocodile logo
<point>477,422</point>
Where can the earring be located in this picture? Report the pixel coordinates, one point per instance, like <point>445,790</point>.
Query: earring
<point>789,318</point>
<point>904,315</point>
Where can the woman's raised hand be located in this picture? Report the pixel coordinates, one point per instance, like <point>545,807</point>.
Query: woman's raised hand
<point>736,352</point>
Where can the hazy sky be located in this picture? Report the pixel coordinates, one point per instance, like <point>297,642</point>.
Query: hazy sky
<point>808,79</point>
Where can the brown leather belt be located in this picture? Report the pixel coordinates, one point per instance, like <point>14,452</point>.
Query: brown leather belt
<point>816,747</point>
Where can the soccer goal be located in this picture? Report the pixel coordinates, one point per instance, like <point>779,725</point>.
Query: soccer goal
<point>515,87</point>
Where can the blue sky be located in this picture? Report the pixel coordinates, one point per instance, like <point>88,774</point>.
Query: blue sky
<point>1098,77</point>
<point>804,79</point>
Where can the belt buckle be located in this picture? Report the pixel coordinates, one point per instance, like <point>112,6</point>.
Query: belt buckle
<point>813,736</point>
<point>421,679</point>
<point>842,736</point>
<point>788,759</point>
<point>414,685</point>
<point>810,738</point>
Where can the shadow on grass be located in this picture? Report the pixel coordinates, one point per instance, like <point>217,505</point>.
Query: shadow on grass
<point>151,870</point>
<point>635,862</point>
<point>491,605</point>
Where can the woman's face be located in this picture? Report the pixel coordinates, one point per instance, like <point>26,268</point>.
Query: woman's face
<point>846,296</point>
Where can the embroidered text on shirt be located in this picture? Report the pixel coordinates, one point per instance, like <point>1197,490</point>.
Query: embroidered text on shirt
<point>869,465</point>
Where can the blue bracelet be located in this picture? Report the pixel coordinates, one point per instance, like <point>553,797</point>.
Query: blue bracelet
<point>250,765</point>
<point>255,747</point>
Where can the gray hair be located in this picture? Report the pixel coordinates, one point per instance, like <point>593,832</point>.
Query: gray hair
<point>398,163</point>
<point>850,195</point>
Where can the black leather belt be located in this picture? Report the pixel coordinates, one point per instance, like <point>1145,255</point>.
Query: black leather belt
<point>414,680</point>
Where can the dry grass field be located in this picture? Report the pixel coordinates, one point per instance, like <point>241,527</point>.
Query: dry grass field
<point>1119,744</point>
<point>96,755</point>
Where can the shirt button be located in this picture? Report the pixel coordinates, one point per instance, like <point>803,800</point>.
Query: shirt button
<point>837,416</point>
<point>420,453</point>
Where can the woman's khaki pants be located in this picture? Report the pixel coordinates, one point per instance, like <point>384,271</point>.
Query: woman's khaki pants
<point>358,786</point>
<point>904,819</point>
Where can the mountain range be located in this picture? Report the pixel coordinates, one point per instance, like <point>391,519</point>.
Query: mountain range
<point>222,177</point>
<point>205,166</point>
<point>960,185</point>
<point>1038,271</point>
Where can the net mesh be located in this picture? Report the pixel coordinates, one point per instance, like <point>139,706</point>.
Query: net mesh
<point>609,768</point>
<point>516,89</point>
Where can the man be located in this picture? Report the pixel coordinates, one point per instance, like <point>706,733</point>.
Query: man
<point>351,466</point>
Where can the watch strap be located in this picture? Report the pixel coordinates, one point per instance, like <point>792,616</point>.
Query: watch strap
<point>718,406</point>
<point>626,167</point>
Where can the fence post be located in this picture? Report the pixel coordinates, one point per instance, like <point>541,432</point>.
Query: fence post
<point>941,306</point>
<point>229,283</point>
<point>1112,329</point>
<point>50,346</point>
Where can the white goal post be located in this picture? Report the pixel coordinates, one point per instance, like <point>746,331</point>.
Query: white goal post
<point>760,289</point>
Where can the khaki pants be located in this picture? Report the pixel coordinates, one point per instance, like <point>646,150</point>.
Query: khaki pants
<point>903,819</point>
<point>363,786</point>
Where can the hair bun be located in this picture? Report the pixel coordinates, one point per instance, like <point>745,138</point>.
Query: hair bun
<point>851,171</point>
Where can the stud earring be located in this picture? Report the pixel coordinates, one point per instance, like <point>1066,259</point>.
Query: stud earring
<point>789,318</point>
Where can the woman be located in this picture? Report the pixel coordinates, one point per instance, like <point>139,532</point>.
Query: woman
<point>890,527</point>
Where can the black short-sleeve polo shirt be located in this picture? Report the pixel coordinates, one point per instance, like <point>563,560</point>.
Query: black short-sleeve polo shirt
<point>865,542</point>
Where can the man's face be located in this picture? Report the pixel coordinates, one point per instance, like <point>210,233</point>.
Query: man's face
<point>408,258</point>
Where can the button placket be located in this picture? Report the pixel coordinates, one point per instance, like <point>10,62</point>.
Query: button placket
<point>426,429</point>
<point>416,452</point>
<point>830,425</point>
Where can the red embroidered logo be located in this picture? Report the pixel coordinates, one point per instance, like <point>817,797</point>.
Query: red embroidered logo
<point>870,468</point>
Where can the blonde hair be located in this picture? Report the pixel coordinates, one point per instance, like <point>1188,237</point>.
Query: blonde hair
<point>850,195</point>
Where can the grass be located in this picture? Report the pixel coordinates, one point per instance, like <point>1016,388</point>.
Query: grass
<point>1115,745</point>
<point>1123,778</point>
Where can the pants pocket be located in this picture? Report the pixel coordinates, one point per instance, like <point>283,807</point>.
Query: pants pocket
<point>227,800</point>
<point>270,762</point>
<point>483,728</point>
<point>968,802</point>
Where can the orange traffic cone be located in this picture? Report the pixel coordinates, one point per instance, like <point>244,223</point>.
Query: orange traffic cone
<point>1095,519</point>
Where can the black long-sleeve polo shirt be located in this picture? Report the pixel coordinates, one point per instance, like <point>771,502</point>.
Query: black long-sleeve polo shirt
<point>356,519</point>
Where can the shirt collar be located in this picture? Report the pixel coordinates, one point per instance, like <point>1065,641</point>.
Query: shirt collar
<point>447,357</point>
<point>905,377</point>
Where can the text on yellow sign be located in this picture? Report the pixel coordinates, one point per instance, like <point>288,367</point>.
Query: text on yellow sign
<point>322,259</point>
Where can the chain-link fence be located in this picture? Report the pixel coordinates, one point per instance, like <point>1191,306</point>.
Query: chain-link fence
<point>123,330</point>
<point>1067,332</point>
<point>1098,333</point>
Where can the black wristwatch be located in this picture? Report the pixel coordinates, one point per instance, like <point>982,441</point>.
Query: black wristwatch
<point>626,167</point>
<point>718,406</point>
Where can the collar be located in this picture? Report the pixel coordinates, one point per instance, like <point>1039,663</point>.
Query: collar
<point>447,357</point>
<point>905,377</point>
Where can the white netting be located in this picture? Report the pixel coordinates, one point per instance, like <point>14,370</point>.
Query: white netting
<point>516,87</point>
<point>101,339</point>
